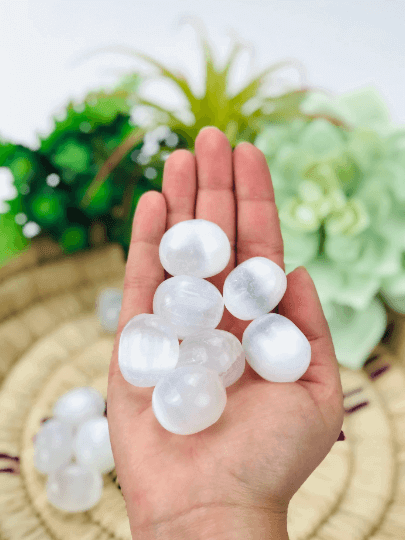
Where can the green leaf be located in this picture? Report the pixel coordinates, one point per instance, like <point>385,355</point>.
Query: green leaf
<point>355,333</point>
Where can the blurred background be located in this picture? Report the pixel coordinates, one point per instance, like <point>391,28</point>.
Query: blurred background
<point>94,98</point>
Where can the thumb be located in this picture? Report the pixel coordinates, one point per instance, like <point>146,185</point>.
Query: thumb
<point>301,304</point>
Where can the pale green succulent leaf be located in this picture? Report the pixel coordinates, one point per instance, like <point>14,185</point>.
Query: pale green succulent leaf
<point>365,107</point>
<point>299,248</point>
<point>299,215</point>
<point>327,277</point>
<point>322,139</point>
<point>343,249</point>
<point>351,220</point>
<point>359,289</point>
<point>355,333</point>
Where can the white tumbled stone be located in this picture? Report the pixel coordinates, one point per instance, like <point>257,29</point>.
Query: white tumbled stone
<point>254,288</point>
<point>109,304</point>
<point>79,405</point>
<point>218,350</point>
<point>276,348</point>
<point>195,247</point>
<point>74,488</point>
<point>53,446</point>
<point>148,349</point>
<point>189,303</point>
<point>92,446</point>
<point>189,399</point>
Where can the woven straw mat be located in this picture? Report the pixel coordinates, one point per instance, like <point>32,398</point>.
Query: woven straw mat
<point>51,341</point>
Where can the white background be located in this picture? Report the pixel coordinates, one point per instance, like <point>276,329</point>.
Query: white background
<point>343,44</point>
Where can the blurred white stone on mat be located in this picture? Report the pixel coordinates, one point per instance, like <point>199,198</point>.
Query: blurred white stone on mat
<point>78,405</point>
<point>53,446</point>
<point>74,488</point>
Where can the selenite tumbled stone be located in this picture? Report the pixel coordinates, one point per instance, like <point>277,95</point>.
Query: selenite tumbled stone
<point>276,348</point>
<point>74,488</point>
<point>195,247</point>
<point>189,399</point>
<point>79,405</point>
<point>218,350</point>
<point>109,304</point>
<point>92,445</point>
<point>53,446</point>
<point>254,288</point>
<point>189,303</point>
<point>148,349</point>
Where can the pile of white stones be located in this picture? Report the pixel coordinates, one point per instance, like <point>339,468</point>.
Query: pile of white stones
<point>73,448</point>
<point>190,378</point>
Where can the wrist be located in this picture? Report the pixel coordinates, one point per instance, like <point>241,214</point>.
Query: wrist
<point>215,523</point>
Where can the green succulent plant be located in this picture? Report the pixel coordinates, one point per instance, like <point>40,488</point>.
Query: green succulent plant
<point>340,191</point>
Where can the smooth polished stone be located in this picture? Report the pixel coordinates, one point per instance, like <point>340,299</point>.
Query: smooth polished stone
<point>148,349</point>
<point>214,349</point>
<point>189,303</point>
<point>189,399</point>
<point>254,288</point>
<point>276,348</point>
<point>74,488</point>
<point>53,446</point>
<point>195,247</point>
<point>78,405</point>
<point>92,446</point>
<point>109,304</point>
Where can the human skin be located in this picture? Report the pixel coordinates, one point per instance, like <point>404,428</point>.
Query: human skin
<point>235,479</point>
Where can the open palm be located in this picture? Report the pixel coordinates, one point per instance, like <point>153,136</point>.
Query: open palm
<point>271,436</point>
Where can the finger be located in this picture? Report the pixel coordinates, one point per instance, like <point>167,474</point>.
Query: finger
<point>302,306</point>
<point>179,186</point>
<point>258,225</point>
<point>143,271</point>
<point>215,196</point>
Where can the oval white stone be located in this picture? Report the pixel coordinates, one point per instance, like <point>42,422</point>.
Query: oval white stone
<point>276,348</point>
<point>189,303</point>
<point>53,446</point>
<point>254,288</point>
<point>79,405</point>
<point>148,349</point>
<point>195,247</point>
<point>92,445</point>
<point>109,305</point>
<point>189,399</point>
<point>217,350</point>
<point>74,488</point>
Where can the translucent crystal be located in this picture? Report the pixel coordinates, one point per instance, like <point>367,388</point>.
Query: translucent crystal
<point>189,303</point>
<point>53,447</point>
<point>79,405</point>
<point>217,350</point>
<point>108,308</point>
<point>195,247</point>
<point>189,399</point>
<point>276,348</point>
<point>148,349</point>
<point>74,488</point>
<point>254,288</point>
<point>92,445</point>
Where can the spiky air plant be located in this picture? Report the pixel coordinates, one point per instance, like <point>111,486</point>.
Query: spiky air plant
<point>240,115</point>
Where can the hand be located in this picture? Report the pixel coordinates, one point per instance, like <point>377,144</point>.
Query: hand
<point>235,479</point>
